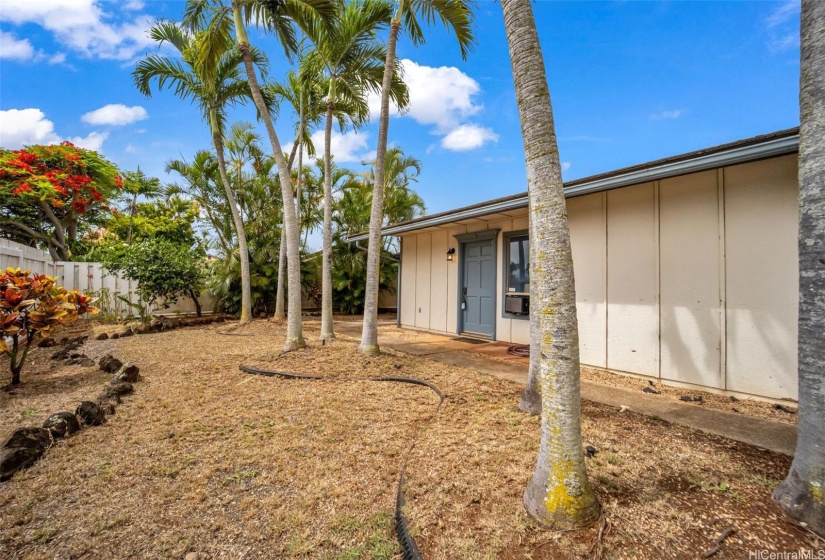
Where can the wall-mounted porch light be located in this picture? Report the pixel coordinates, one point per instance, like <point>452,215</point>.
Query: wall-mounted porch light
<point>450,253</point>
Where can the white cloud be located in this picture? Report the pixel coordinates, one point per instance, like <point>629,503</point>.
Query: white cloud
<point>348,147</point>
<point>468,137</point>
<point>778,44</point>
<point>782,26</point>
<point>15,49</point>
<point>666,115</point>
<point>82,25</point>
<point>130,149</point>
<point>441,96</point>
<point>21,127</point>
<point>115,114</point>
<point>12,48</point>
<point>565,165</point>
<point>92,141</point>
<point>783,13</point>
<point>133,5</point>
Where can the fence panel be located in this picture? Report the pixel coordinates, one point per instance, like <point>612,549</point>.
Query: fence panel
<point>15,255</point>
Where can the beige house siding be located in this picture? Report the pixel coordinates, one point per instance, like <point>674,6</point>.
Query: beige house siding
<point>692,279</point>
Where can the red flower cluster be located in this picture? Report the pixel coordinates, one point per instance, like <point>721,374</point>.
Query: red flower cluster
<point>21,189</point>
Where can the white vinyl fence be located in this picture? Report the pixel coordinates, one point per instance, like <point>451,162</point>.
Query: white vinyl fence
<point>89,277</point>
<point>15,255</point>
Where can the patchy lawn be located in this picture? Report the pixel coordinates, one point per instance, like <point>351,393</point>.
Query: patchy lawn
<point>203,458</point>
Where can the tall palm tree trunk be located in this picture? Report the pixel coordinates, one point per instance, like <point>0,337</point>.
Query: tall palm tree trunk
<point>369,330</point>
<point>559,494</point>
<point>326,266</point>
<point>299,147</point>
<point>280,315</point>
<point>246,285</point>
<point>301,125</point>
<point>294,334</point>
<point>802,493</point>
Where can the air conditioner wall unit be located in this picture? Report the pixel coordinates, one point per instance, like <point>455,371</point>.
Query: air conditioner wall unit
<point>517,305</point>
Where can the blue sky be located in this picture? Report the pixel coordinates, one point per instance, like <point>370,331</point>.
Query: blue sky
<point>631,81</point>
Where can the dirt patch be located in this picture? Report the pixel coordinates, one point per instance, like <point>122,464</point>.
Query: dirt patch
<point>203,458</point>
<point>750,407</point>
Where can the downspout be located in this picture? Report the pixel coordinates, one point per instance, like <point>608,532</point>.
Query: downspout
<point>397,279</point>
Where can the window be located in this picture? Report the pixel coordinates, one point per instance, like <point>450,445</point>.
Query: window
<point>518,265</point>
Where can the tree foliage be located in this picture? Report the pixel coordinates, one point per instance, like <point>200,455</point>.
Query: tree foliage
<point>164,270</point>
<point>32,305</point>
<point>50,194</point>
<point>352,215</point>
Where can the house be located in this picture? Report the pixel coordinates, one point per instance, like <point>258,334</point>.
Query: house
<point>686,268</point>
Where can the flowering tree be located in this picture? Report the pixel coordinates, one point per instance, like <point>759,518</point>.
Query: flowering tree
<point>45,190</point>
<point>32,304</point>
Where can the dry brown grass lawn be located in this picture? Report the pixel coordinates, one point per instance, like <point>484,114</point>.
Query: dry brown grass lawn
<point>204,458</point>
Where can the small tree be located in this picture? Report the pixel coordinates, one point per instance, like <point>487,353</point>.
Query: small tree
<point>49,193</point>
<point>163,270</point>
<point>31,305</point>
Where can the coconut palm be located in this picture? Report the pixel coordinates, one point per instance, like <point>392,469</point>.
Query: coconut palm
<point>559,494</point>
<point>212,85</point>
<point>457,16</point>
<point>280,18</point>
<point>351,58</point>
<point>802,493</point>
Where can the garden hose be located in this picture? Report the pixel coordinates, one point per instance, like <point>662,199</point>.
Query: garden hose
<point>402,528</point>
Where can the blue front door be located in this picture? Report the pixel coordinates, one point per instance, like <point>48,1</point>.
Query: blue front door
<point>478,301</point>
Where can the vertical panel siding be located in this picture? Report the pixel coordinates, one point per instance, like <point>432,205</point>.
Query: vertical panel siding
<point>452,282</point>
<point>692,279</point>
<point>588,237</point>
<point>438,282</point>
<point>503,324</point>
<point>423,282</point>
<point>632,277</point>
<point>761,229</point>
<point>408,277</point>
<point>690,295</point>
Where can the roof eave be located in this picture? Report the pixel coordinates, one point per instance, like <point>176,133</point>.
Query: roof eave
<point>735,155</point>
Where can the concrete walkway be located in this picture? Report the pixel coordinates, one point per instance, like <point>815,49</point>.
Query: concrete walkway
<point>767,434</point>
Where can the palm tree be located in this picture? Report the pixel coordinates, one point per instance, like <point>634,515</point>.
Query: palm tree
<point>307,103</point>
<point>139,184</point>
<point>351,58</point>
<point>456,15</point>
<point>802,493</point>
<point>212,85</point>
<point>280,18</point>
<point>242,145</point>
<point>352,214</point>
<point>559,494</point>
<point>202,185</point>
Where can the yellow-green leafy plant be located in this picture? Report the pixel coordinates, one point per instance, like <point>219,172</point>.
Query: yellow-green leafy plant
<point>33,305</point>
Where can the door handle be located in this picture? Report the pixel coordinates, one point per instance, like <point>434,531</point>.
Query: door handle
<point>464,290</point>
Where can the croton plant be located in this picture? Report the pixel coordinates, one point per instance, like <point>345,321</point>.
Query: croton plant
<point>33,305</point>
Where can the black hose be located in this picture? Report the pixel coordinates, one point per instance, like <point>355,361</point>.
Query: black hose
<point>402,526</point>
<point>520,350</point>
